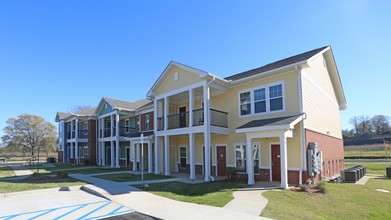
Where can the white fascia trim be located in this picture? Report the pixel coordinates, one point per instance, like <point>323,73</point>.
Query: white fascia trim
<point>180,90</point>
<point>263,167</point>
<point>319,53</point>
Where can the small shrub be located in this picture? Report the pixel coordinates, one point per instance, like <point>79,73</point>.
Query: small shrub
<point>321,186</point>
<point>303,187</point>
<point>62,174</point>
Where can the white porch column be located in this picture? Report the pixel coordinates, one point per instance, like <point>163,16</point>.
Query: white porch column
<point>149,156</point>
<point>157,154</point>
<point>111,141</point>
<point>250,162</point>
<point>165,113</point>
<point>207,130</point>
<point>112,154</point>
<point>134,157</point>
<point>77,142</point>
<point>284,161</point>
<point>71,131</point>
<point>192,156</point>
<point>167,155</point>
<point>103,145</point>
<point>191,108</point>
<point>117,140</point>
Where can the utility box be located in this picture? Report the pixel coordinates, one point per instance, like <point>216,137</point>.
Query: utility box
<point>314,159</point>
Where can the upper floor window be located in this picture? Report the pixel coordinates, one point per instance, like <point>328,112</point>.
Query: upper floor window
<point>138,123</point>
<point>263,99</point>
<point>127,125</point>
<point>146,121</point>
<point>85,126</point>
<point>245,103</point>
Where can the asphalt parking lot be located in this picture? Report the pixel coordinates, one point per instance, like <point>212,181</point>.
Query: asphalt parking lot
<point>59,203</point>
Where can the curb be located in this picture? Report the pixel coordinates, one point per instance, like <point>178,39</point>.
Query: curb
<point>93,192</point>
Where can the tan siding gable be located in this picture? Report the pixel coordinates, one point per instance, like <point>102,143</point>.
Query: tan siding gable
<point>185,78</point>
<point>319,100</point>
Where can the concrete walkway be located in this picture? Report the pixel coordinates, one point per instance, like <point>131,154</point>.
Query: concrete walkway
<point>166,208</point>
<point>365,178</point>
<point>21,172</point>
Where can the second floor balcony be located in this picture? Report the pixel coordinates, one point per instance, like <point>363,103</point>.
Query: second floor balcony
<point>123,132</point>
<point>181,120</point>
<point>81,134</point>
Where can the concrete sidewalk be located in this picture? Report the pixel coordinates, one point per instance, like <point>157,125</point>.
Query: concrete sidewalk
<point>21,172</point>
<point>166,208</point>
<point>365,178</point>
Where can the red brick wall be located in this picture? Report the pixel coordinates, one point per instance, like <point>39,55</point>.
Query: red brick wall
<point>332,151</point>
<point>92,142</point>
<point>293,176</point>
<point>142,121</point>
<point>264,174</point>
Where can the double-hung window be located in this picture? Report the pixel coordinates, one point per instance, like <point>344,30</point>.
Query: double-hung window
<point>263,99</point>
<point>240,157</point>
<point>146,122</point>
<point>240,154</point>
<point>275,94</point>
<point>245,103</point>
<point>182,156</point>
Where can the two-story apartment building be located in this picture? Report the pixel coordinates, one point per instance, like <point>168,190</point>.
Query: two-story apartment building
<point>120,125</point>
<point>77,137</point>
<point>258,122</point>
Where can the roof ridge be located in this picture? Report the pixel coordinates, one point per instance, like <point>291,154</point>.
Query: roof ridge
<point>276,64</point>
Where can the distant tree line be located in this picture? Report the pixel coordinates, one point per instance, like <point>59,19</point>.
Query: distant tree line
<point>364,126</point>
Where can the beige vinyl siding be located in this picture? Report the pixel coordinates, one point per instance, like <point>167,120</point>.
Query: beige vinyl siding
<point>319,101</point>
<point>229,101</point>
<point>185,78</point>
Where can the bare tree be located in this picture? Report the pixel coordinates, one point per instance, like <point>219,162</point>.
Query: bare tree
<point>380,124</point>
<point>362,125</point>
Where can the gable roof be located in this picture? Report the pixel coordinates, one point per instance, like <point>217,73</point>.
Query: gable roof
<point>61,116</point>
<point>120,104</point>
<point>278,64</point>
<point>172,64</point>
<point>286,122</point>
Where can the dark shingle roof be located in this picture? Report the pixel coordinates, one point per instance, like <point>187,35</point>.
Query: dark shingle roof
<point>270,121</point>
<point>86,112</point>
<point>276,65</point>
<point>131,106</point>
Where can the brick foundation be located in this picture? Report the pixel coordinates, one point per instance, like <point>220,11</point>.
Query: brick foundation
<point>264,174</point>
<point>332,152</point>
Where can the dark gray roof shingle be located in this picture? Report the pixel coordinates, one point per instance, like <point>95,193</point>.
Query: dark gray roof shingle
<point>61,116</point>
<point>276,65</point>
<point>270,121</point>
<point>86,112</point>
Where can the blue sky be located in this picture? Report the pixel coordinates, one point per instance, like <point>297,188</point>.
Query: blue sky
<point>57,54</point>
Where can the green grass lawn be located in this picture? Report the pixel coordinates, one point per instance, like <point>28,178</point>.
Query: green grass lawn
<point>372,168</point>
<point>6,172</point>
<point>34,183</point>
<point>342,201</point>
<point>217,193</point>
<point>125,177</point>
<point>77,169</point>
<point>367,153</point>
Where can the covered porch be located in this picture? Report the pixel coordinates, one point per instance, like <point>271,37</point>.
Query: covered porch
<point>279,130</point>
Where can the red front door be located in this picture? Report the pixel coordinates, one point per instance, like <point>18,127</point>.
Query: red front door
<point>276,166</point>
<point>221,161</point>
<point>182,117</point>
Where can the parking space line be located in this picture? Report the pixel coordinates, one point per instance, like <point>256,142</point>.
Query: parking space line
<point>89,213</point>
<point>67,213</point>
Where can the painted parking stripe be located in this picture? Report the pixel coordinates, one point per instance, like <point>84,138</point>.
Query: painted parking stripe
<point>89,213</point>
<point>118,209</point>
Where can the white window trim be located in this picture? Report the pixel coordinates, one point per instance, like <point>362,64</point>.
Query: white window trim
<point>267,99</point>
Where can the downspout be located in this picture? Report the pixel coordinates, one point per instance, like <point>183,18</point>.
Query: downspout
<point>303,137</point>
